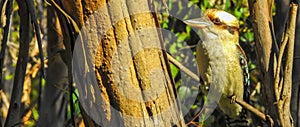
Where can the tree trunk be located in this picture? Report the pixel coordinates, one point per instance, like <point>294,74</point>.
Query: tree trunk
<point>261,21</point>
<point>120,68</point>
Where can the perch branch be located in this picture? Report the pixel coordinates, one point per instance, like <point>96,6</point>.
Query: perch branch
<point>183,68</point>
<point>261,115</point>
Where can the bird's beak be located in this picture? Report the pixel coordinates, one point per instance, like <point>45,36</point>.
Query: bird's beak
<point>199,22</point>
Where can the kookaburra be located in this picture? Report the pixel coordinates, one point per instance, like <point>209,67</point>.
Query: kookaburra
<point>221,60</point>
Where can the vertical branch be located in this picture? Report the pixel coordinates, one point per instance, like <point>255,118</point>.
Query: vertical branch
<point>261,16</point>
<point>8,11</point>
<point>40,46</point>
<point>295,99</point>
<point>14,114</point>
<point>285,97</point>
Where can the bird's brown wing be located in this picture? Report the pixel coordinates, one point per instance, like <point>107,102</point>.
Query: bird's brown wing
<point>242,51</point>
<point>244,66</point>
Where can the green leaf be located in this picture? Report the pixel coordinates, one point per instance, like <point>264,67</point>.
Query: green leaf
<point>173,48</point>
<point>194,107</point>
<point>188,30</point>
<point>250,36</point>
<point>165,25</point>
<point>227,4</point>
<point>181,37</point>
<point>174,70</point>
<point>9,77</point>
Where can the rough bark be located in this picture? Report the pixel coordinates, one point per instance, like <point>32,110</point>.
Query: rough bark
<point>133,84</point>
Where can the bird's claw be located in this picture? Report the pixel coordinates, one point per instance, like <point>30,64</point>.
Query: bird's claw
<point>233,98</point>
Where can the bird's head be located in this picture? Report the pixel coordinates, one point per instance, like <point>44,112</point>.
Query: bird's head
<point>219,23</point>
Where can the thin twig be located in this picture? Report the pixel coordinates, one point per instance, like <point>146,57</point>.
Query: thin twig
<point>8,13</point>
<point>40,46</point>
<point>183,68</point>
<point>166,6</point>
<point>188,72</point>
<point>192,121</point>
<point>279,63</point>
<point>261,115</point>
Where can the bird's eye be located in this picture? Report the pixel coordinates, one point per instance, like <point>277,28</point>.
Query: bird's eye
<point>216,21</point>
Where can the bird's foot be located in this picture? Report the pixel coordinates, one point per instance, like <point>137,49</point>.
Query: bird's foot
<point>233,98</point>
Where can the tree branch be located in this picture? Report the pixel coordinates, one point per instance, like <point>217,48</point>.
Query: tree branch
<point>7,5</point>
<point>14,112</point>
<point>261,115</point>
<point>285,90</point>
<point>183,68</point>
